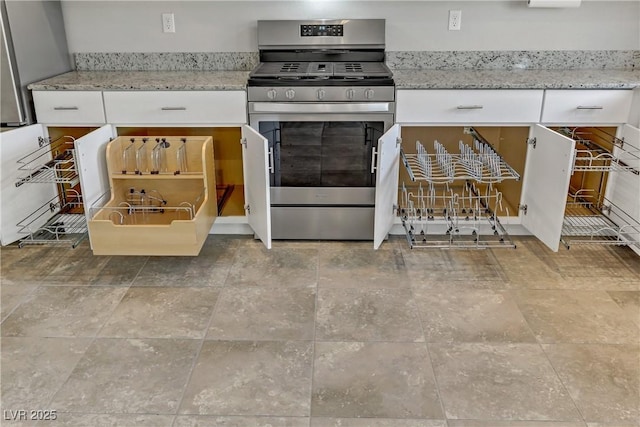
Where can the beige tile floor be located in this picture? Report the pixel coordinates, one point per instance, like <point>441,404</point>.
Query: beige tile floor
<point>320,334</point>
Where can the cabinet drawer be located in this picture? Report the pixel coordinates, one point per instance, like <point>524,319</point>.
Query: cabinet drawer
<point>191,107</point>
<point>468,106</point>
<point>69,107</point>
<point>586,106</point>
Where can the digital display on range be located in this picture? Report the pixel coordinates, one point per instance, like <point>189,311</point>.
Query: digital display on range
<point>321,30</point>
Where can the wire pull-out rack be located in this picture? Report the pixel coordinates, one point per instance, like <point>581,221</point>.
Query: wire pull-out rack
<point>590,217</point>
<point>61,220</point>
<point>456,204</point>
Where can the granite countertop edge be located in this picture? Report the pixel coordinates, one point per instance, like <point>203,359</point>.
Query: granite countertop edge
<point>404,79</point>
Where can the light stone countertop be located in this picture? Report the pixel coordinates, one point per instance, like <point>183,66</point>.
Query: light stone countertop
<point>404,79</point>
<point>145,80</point>
<point>517,79</point>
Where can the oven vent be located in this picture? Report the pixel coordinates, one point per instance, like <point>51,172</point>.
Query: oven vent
<point>290,67</point>
<point>354,67</point>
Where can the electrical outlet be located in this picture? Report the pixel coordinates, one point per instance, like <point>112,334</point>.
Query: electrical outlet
<point>455,20</point>
<point>168,23</point>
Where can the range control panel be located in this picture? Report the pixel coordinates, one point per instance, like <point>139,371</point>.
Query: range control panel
<point>322,30</point>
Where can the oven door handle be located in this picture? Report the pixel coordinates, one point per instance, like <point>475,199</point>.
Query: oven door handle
<point>271,161</point>
<point>373,159</point>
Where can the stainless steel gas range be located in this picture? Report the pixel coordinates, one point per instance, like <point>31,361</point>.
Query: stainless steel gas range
<point>322,96</point>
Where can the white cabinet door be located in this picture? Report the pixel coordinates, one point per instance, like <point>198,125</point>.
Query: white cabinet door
<point>17,202</point>
<point>255,165</point>
<point>623,188</point>
<point>546,183</point>
<point>91,164</point>
<point>387,169</point>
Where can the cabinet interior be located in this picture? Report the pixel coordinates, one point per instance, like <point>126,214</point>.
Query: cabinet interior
<point>508,142</point>
<point>228,160</point>
<point>590,183</point>
<point>69,193</point>
<point>461,184</point>
<point>594,212</point>
<point>61,220</point>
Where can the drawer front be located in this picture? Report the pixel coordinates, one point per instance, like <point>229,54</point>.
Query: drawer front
<point>586,106</point>
<point>468,106</point>
<point>69,107</point>
<point>191,107</point>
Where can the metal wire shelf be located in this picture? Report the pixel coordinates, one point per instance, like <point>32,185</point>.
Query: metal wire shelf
<point>601,152</point>
<point>588,222</point>
<point>56,222</point>
<point>52,162</point>
<point>480,163</point>
<point>140,207</point>
<point>449,219</point>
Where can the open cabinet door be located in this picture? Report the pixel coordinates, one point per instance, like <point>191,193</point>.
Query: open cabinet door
<point>18,202</point>
<point>255,161</point>
<point>387,170</point>
<point>623,187</point>
<point>91,163</point>
<point>546,184</point>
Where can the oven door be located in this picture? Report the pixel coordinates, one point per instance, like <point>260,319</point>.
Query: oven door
<point>323,167</point>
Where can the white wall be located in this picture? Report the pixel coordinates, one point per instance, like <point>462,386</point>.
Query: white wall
<point>230,26</point>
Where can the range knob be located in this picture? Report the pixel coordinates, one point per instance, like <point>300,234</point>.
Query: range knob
<point>350,93</point>
<point>271,94</point>
<point>290,93</point>
<point>320,93</point>
<point>369,93</point>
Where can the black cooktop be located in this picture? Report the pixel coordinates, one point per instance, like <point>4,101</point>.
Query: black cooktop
<point>314,73</point>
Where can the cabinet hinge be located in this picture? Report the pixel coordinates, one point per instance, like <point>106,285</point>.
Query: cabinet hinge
<point>531,141</point>
<point>398,141</point>
<point>243,141</point>
<point>523,208</point>
<point>42,141</point>
<point>247,209</point>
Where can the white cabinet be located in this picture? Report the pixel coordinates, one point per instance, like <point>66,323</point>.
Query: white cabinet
<point>604,182</point>
<point>69,107</point>
<point>468,106</point>
<point>562,172</point>
<point>216,114</point>
<point>176,107</point>
<point>48,184</point>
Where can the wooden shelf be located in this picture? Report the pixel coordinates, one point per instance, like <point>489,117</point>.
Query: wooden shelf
<point>169,176</point>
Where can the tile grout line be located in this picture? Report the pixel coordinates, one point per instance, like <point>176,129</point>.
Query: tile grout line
<point>93,340</point>
<point>426,347</point>
<point>203,340</point>
<point>539,344</point>
<point>582,417</point>
<point>24,298</point>
<point>313,342</point>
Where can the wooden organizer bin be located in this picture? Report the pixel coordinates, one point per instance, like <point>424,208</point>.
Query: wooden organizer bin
<point>156,212</point>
